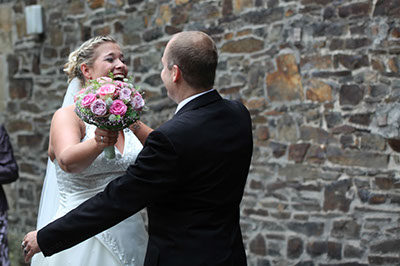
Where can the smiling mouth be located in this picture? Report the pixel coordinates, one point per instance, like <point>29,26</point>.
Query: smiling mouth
<point>119,77</point>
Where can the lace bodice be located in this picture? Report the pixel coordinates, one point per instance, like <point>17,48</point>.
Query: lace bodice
<point>127,240</point>
<point>75,187</point>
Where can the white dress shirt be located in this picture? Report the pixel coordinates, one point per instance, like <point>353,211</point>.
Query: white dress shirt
<point>182,103</point>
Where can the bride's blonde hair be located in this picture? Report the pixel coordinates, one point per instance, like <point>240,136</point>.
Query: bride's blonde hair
<point>84,54</point>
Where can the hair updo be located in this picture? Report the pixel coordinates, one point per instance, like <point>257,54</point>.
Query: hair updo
<point>84,54</point>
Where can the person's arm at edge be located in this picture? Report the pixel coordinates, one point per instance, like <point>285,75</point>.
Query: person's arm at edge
<point>8,165</point>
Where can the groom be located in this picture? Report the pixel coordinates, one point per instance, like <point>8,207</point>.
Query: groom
<point>190,174</point>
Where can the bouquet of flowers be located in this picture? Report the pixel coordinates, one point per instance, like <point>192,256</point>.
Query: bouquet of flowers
<point>109,104</point>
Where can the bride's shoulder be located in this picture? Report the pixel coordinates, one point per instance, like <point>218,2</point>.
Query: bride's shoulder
<point>67,115</point>
<point>67,111</point>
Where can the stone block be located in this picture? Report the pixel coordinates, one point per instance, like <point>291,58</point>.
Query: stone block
<point>262,133</point>
<point>393,65</point>
<point>385,183</point>
<point>295,248</point>
<point>133,2</point>
<point>357,43</point>
<point>94,4</point>
<point>307,228</point>
<point>361,119</point>
<point>384,260</point>
<point>29,140</point>
<point>348,141</point>
<point>297,152</point>
<point>227,7</point>
<point>387,8</point>
<point>346,229</point>
<point>337,44</point>
<point>321,29</point>
<point>240,5</point>
<point>287,130</point>
<point>316,154</point>
<point>351,62</point>
<point>19,125</point>
<point>264,16</point>
<point>317,248</point>
<point>278,149</point>
<point>376,199</point>
<point>285,84</point>
<point>395,32</point>
<point>356,9</point>
<point>379,90</point>
<point>152,34</point>
<point>246,45</point>
<point>346,129</point>
<point>314,134</point>
<point>259,212</point>
<point>350,95</point>
<point>333,119</point>
<point>373,142</point>
<point>20,88</point>
<point>165,15</point>
<point>305,263</point>
<point>76,7</point>
<point>319,91</point>
<point>335,196</point>
<point>105,30</point>
<point>13,64</point>
<point>6,18</point>
<point>353,252</point>
<point>378,65</point>
<point>258,246</point>
<point>334,250</point>
<point>49,52</point>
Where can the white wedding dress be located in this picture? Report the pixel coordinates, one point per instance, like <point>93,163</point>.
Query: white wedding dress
<point>123,244</point>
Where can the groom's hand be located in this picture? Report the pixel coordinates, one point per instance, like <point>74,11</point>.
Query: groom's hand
<point>30,246</point>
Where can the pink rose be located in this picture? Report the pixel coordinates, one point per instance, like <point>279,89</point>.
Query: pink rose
<point>118,108</point>
<point>106,89</point>
<point>77,96</point>
<point>137,102</point>
<point>103,80</point>
<point>99,107</point>
<point>88,100</point>
<point>125,94</point>
<point>121,84</point>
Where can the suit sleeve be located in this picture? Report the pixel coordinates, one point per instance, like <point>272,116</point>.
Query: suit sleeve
<point>8,165</point>
<point>151,178</point>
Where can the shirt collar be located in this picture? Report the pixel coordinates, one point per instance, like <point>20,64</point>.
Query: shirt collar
<point>184,102</point>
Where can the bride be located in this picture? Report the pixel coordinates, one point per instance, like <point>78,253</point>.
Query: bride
<point>77,169</point>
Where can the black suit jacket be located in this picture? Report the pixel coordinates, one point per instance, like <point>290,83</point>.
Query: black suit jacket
<point>191,175</point>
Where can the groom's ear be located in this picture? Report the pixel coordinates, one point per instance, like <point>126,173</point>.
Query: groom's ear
<point>176,73</point>
<point>86,71</point>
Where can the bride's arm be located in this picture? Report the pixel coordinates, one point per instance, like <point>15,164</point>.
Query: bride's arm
<point>66,132</point>
<point>141,130</point>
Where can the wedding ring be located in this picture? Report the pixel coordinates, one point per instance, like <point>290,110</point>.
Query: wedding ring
<point>25,251</point>
<point>22,244</point>
<point>102,138</point>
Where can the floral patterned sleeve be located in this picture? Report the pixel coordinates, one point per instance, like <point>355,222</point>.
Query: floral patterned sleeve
<point>8,165</point>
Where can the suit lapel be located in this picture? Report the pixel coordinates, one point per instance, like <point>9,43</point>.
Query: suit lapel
<point>200,101</point>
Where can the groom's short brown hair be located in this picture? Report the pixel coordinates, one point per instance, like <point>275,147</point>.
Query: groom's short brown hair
<point>195,53</point>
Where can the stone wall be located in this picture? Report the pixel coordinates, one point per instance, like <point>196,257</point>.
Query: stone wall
<point>321,79</point>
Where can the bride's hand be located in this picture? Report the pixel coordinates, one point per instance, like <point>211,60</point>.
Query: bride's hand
<point>105,138</point>
<point>30,246</point>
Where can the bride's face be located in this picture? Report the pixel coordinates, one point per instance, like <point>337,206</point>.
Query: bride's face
<point>108,58</point>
